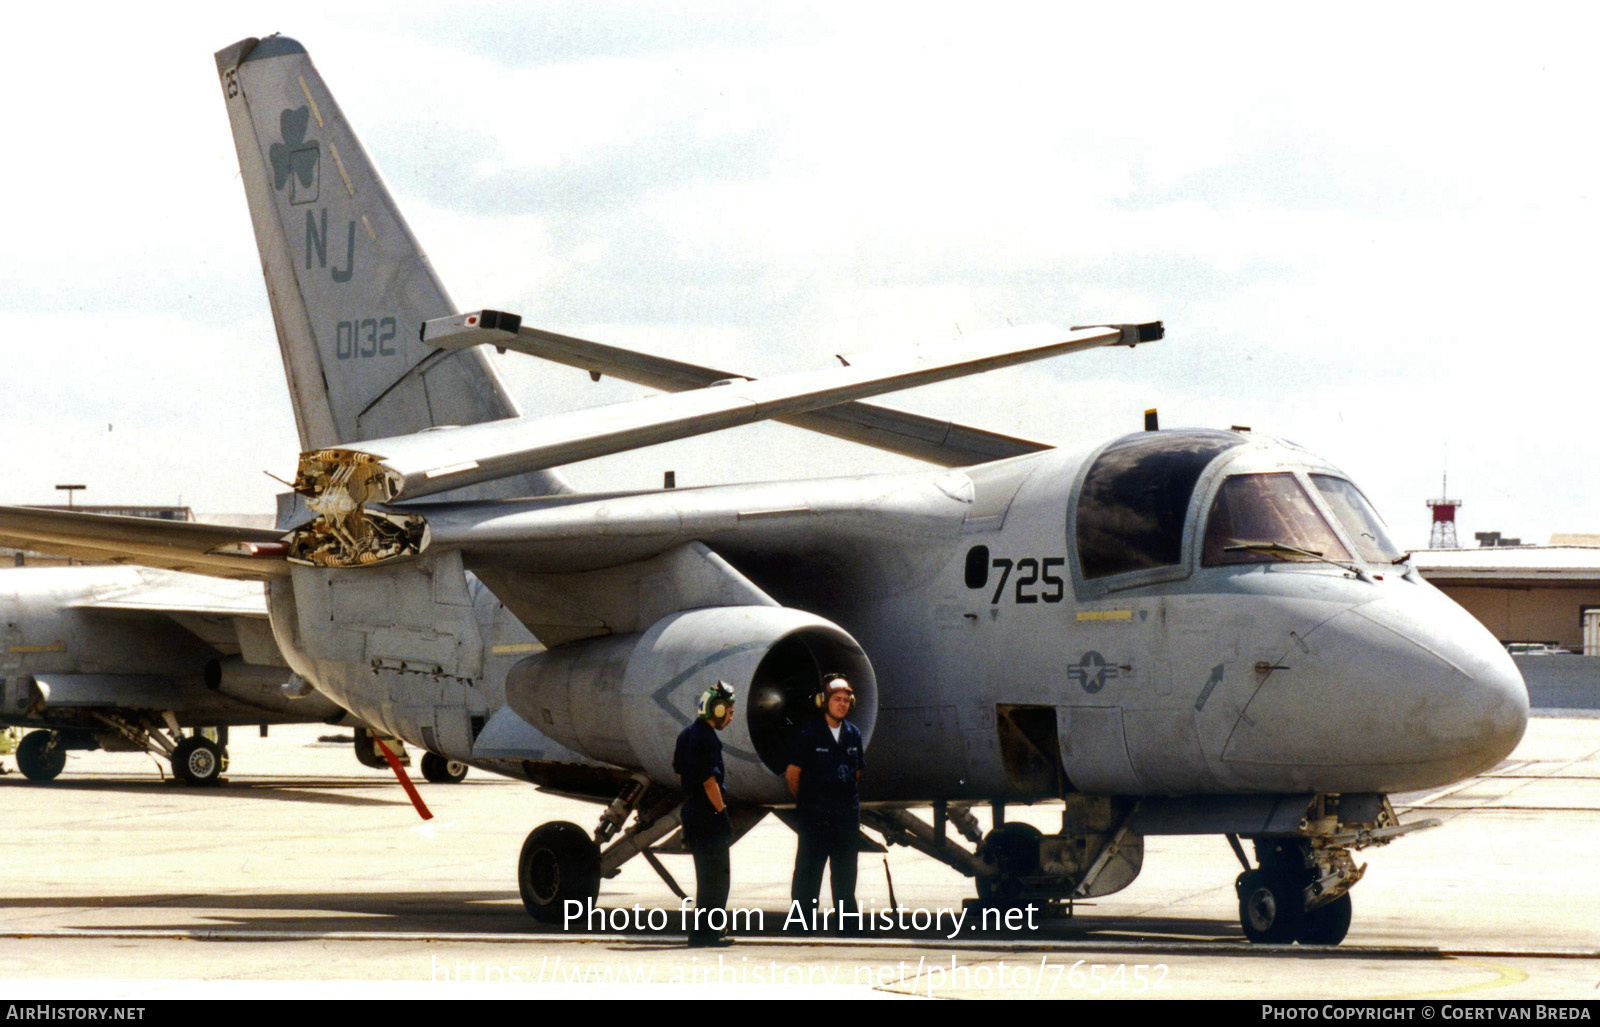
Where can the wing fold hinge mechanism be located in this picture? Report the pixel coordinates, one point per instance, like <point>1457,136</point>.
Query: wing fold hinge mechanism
<point>338,485</point>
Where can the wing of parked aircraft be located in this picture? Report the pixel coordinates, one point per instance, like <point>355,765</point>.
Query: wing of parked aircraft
<point>427,463</point>
<point>896,431</point>
<point>230,615</point>
<point>214,549</point>
<point>125,658</point>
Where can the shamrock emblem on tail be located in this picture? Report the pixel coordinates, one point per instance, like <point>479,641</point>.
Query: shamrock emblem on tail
<point>294,156</point>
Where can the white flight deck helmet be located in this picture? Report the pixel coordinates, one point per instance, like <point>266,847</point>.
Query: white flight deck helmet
<point>835,683</point>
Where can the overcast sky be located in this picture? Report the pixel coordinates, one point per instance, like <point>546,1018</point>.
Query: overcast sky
<point>1368,229</point>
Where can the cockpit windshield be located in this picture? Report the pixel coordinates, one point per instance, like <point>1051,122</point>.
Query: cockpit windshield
<point>1258,518</point>
<point>1358,519</point>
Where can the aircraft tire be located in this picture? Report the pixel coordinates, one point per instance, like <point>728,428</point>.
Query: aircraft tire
<point>442,771</point>
<point>1326,925</point>
<point>41,756</point>
<point>1013,849</point>
<point>1269,907</point>
<point>199,761</point>
<point>559,862</point>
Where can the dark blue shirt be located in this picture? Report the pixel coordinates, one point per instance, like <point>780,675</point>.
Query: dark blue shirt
<point>828,768</point>
<point>697,757</point>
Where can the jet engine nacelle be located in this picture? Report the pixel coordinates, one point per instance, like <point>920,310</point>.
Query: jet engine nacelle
<point>625,698</point>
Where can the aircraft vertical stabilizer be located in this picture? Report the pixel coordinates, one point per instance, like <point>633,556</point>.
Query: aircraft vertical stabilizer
<point>349,285</point>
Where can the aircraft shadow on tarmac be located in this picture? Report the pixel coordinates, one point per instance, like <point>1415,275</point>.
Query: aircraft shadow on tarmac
<point>379,913</point>
<point>296,790</point>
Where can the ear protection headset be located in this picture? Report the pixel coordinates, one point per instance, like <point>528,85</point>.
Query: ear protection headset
<point>716,702</point>
<point>834,683</point>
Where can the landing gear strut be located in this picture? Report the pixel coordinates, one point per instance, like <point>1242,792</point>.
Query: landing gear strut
<point>561,863</point>
<point>1300,889</point>
<point>196,760</point>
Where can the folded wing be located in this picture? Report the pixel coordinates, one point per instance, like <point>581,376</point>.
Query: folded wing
<point>896,431</point>
<point>412,466</point>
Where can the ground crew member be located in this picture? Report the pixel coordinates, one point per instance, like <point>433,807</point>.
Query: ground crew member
<point>824,768</point>
<point>706,826</point>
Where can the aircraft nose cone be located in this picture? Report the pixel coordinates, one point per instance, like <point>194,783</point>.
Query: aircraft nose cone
<point>1405,693</point>
<point>1474,723</point>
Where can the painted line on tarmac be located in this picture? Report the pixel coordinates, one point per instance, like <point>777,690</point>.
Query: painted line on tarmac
<point>1504,977</point>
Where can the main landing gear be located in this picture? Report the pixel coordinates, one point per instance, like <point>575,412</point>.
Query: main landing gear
<point>198,760</point>
<point>1016,865</point>
<point>562,863</point>
<point>442,771</point>
<point>559,863</point>
<point>195,759</point>
<point>41,755</point>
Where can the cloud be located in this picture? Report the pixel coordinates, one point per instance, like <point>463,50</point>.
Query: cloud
<point>1366,229</point>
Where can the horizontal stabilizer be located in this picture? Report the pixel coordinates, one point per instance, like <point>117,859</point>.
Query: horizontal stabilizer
<point>937,441</point>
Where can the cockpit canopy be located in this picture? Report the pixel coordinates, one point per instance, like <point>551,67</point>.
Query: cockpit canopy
<point>1135,500</point>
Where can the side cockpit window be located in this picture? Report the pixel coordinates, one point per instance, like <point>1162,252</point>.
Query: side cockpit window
<point>1262,518</point>
<point>1358,519</point>
<point>1135,498</point>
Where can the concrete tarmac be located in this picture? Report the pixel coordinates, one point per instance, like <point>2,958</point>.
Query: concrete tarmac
<point>305,874</point>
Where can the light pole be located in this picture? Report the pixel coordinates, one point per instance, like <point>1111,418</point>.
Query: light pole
<point>69,490</point>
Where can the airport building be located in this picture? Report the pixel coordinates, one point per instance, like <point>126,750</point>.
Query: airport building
<point>1541,602</point>
<point>1526,595</point>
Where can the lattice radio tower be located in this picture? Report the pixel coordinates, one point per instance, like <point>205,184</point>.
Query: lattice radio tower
<point>1443,535</point>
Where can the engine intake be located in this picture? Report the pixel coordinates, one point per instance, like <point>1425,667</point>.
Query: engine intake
<point>624,698</point>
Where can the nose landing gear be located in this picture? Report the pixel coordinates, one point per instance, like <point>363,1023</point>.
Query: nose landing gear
<point>1300,889</point>
<point>1288,900</point>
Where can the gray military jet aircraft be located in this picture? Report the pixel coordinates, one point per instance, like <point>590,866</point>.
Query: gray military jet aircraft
<point>123,658</point>
<point>1173,632</point>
